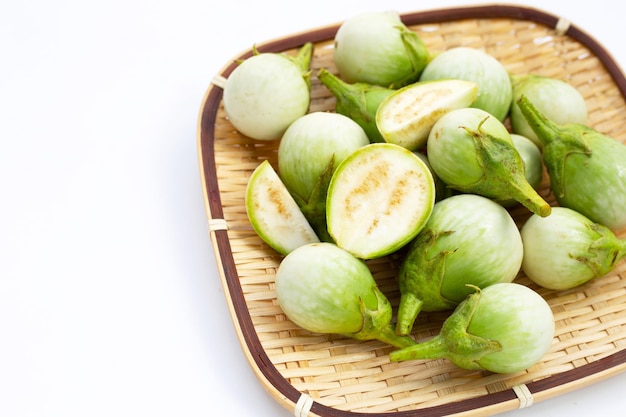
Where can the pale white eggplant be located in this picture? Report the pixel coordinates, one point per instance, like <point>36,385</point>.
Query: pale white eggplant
<point>324,289</point>
<point>267,92</point>
<point>504,328</point>
<point>378,48</point>
<point>494,83</point>
<point>308,154</point>
<point>472,151</point>
<point>566,249</point>
<point>468,239</point>
<point>558,100</point>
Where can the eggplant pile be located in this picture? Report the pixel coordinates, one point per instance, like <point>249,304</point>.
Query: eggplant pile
<point>422,158</point>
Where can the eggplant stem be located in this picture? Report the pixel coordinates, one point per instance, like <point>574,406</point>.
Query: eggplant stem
<point>546,130</point>
<point>622,249</point>
<point>453,341</point>
<point>503,168</point>
<point>410,307</point>
<point>389,336</point>
<point>526,195</point>
<point>377,324</point>
<point>435,348</point>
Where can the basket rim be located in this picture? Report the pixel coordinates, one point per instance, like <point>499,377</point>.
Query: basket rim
<point>272,379</point>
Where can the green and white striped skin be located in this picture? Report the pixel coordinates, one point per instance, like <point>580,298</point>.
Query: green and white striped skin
<point>311,143</point>
<point>472,151</point>
<point>268,91</point>
<point>468,240</point>
<point>308,154</point>
<point>533,163</point>
<point>377,48</point>
<point>566,249</point>
<point>325,289</point>
<point>558,100</point>
<point>471,64</point>
<point>504,328</point>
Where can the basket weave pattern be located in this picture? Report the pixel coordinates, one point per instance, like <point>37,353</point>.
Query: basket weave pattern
<point>357,377</point>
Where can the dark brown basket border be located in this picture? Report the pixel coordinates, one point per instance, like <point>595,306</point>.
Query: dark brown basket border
<point>207,119</point>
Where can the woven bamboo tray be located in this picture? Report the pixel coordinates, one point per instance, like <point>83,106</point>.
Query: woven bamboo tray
<point>319,375</point>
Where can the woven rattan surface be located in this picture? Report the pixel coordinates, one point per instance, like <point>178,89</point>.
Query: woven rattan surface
<point>330,375</point>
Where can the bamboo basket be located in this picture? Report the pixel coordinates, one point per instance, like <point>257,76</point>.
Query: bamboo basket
<point>321,375</point>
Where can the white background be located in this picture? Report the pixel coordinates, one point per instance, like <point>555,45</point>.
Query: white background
<point>110,302</point>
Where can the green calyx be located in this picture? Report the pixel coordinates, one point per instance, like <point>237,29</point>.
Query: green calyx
<point>377,324</point>
<point>503,169</point>
<point>314,209</point>
<point>358,101</point>
<point>559,142</point>
<point>303,61</point>
<point>453,342</point>
<point>605,251</point>
<point>420,280</point>
<point>418,55</point>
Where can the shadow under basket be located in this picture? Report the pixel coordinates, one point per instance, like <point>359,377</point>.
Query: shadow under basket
<point>322,375</point>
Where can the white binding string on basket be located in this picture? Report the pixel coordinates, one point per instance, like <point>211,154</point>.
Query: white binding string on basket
<point>524,395</point>
<point>219,81</point>
<point>303,406</point>
<point>217,224</point>
<point>562,25</point>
